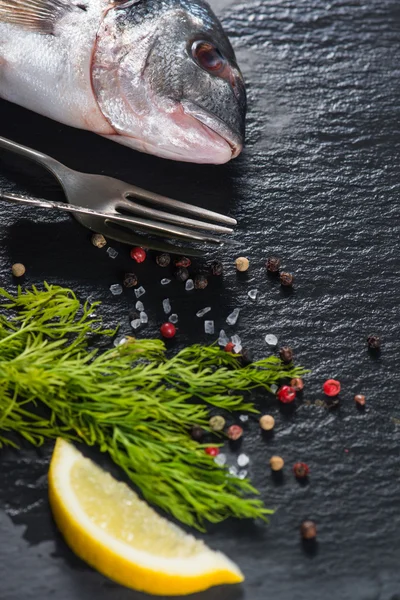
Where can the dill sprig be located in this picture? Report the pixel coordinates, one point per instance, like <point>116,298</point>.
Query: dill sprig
<point>131,401</point>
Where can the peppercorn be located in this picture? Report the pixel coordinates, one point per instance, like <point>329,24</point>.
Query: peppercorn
<point>168,330</point>
<point>235,432</point>
<point>286,354</point>
<point>212,450</point>
<point>286,279</point>
<point>331,387</point>
<point>359,399</point>
<point>242,263</point>
<point>246,357</point>
<point>197,433</point>
<point>18,269</point>
<point>200,282</point>
<point>183,261</point>
<point>273,264</point>
<point>297,384</point>
<point>98,240</point>
<point>229,347</point>
<point>130,280</point>
<point>374,342</point>
<point>182,274</point>
<point>301,470</point>
<point>163,259</point>
<point>217,268</point>
<point>308,530</point>
<point>276,463</point>
<point>286,394</point>
<point>267,422</point>
<point>217,423</point>
<point>138,254</point>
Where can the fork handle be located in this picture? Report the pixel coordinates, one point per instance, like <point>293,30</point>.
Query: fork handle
<point>70,208</point>
<point>52,165</point>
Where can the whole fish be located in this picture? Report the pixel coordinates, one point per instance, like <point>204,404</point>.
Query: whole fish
<point>159,76</point>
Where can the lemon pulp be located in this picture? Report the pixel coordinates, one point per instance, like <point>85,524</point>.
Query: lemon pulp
<point>115,508</point>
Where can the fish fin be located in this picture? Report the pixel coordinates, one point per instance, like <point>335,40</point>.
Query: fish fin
<point>35,15</point>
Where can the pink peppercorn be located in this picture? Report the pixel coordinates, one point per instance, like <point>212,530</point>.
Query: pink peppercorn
<point>331,387</point>
<point>212,451</point>
<point>286,394</point>
<point>168,330</point>
<point>138,254</point>
<point>234,432</point>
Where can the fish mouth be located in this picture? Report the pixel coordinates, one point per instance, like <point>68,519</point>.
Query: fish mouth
<point>216,125</point>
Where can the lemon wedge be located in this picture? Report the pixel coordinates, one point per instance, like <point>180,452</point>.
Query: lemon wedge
<point>108,526</point>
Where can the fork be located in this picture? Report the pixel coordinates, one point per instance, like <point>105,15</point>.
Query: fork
<point>105,205</point>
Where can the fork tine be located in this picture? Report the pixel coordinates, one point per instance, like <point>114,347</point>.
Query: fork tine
<point>165,230</point>
<point>166,217</point>
<point>115,232</point>
<point>189,209</point>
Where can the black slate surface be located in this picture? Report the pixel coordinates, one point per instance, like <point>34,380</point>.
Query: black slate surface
<point>317,185</point>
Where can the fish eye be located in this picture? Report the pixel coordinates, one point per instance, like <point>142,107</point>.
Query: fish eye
<point>208,57</point>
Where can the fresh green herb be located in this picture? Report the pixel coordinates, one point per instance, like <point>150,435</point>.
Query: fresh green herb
<point>130,401</point>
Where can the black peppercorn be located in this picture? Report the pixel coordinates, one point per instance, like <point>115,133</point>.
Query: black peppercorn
<point>286,354</point>
<point>130,280</point>
<point>163,260</point>
<point>246,357</point>
<point>200,282</point>
<point>273,264</point>
<point>182,274</point>
<point>197,433</point>
<point>217,268</point>
<point>374,342</point>
<point>308,530</point>
<point>286,279</point>
<point>183,261</point>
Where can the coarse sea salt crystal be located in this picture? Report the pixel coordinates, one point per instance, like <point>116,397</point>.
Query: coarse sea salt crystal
<point>189,285</point>
<point>173,318</point>
<point>274,388</point>
<point>209,327</point>
<point>236,340</point>
<point>116,289</point>
<point>271,339</point>
<point>166,306</point>
<point>223,339</point>
<point>119,340</point>
<point>233,471</point>
<point>139,305</point>
<point>165,281</point>
<point>244,418</point>
<point>143,317</point>
<point>243,460</point>
<point>139,291</point>
<point>242,474</point>
<point>237,348</point>
<point>233,317</point>
<point>203,311</point>
<point>220,459</point>
<point>252,294</point>
<point>112,253</point>
<point>135,323</point>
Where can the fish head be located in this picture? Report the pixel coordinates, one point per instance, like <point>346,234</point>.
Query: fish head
<point>166,78</point>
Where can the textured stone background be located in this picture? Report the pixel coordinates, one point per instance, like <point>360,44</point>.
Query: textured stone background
<point>318,185</point>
